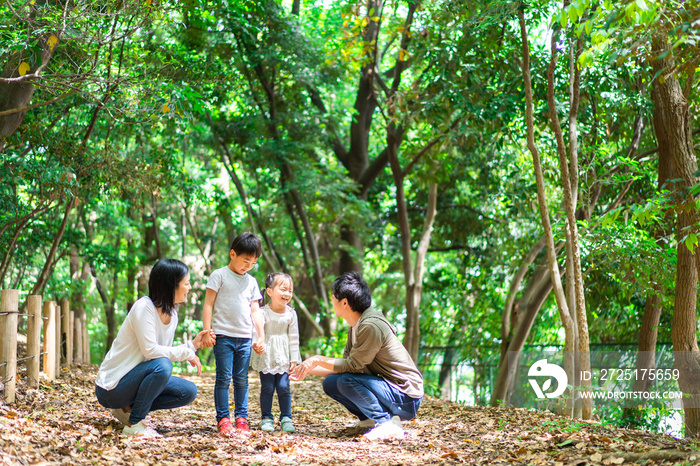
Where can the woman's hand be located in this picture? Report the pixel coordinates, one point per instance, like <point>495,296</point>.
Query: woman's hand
<point>204,339</point>
<point>196,363</point>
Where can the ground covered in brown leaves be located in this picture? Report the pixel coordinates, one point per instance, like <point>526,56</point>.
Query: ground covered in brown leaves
<point>63,423</point>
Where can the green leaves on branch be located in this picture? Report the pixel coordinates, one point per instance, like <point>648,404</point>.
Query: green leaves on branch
<point>646,214</point>
<point>691,241</point>
<point>619,31</point>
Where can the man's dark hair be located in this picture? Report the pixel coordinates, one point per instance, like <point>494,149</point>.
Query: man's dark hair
<point>247,244</point>
<point>165,276</point>
<point>352,287</point>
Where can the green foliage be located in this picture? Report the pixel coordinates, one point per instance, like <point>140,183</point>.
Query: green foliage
<point>173,99</point>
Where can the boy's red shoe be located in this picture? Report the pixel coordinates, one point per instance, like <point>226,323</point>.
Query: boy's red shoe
<point>225,427</point>
<point>242,424</point>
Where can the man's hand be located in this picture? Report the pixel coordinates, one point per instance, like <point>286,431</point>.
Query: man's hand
<point>204,339</point>
<point>196,363</point>
<point>302,370</point>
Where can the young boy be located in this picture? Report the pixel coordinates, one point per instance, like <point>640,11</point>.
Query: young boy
<point>231,310</point>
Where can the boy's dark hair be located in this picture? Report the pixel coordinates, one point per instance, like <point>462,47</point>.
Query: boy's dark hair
<point>247,244</point>
<point>352,287</point>
<point>165,277</point>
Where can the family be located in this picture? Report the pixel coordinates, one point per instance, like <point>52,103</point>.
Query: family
<point>376,379</point>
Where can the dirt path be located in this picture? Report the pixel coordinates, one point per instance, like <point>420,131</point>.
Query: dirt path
<point>63,423</point>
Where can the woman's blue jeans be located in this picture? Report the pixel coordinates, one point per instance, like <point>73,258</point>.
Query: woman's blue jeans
<point>370,397</point>
<point>148,387</point>
<point>268,384</point>
<point>232,361</point>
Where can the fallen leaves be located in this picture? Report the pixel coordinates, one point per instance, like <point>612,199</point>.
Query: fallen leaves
<point>63,423</point>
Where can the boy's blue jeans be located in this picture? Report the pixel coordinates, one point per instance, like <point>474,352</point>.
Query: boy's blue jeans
<point>268,384</point>
<point>232,361</point>
<point>370,397</point>
<point>148,387</point>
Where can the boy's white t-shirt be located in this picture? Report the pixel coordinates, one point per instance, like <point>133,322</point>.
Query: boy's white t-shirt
<point>142,337</point>
<point>234,293</point>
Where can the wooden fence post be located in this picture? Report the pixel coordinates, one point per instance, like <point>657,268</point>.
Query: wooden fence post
<point>33,339</point>
<point>57,341</point>
<point>66,333</point>
<point>86,343</point>
<point>78,338</point>
<point>71,340</point>
<point>9,303</point>
<point>49,340</point>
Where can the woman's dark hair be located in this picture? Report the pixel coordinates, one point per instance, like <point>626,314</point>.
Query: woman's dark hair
<point>247,244</point>
<point>352,287</point>
<point>165,276</point>
<point>274,279</point>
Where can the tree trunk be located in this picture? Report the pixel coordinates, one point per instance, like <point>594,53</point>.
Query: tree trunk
<point>415,290</point>
<point>562,305</point>
<point>539,288</point>
<point>15,95</point>
<point>356,160</point>
<point>132,270</point>
<point>445,376</point>
<point>413,274</point>
<point>648,331</point>
<point>674,127</point>
<point>582,359</point>
<point>510,316</point>
<point>108,308</point>
<point>48,265</point>
<point>310,239</point>
<point>10,251</point>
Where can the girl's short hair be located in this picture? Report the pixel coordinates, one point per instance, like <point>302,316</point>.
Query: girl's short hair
<point>275,278</point>
<point>165,277</point>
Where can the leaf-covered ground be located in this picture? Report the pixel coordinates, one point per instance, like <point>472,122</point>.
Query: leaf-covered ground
<point>63,423</point>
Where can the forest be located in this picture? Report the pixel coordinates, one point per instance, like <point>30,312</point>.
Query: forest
<point>515,180</point>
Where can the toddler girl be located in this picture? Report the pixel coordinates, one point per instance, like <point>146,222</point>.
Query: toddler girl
<point>281,351</point>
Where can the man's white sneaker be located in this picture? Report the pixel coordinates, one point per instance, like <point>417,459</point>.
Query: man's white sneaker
<point>141,429</point>
<point>121,416</point>
<point>385,430</point>
<point>367,423</point>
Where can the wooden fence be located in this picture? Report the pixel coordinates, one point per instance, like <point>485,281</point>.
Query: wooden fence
<point>64,337</point>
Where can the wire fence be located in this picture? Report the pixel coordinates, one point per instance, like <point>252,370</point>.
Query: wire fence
<point>470,376</point>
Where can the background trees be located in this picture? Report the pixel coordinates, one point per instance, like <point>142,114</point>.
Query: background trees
<point>387,137</point>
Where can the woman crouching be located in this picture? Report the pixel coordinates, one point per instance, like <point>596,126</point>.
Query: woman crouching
<point>135,377</point>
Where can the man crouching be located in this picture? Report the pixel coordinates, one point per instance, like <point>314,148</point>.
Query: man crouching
<point>376,379</point>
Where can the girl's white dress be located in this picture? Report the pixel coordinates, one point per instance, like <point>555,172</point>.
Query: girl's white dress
<point>281,342</point>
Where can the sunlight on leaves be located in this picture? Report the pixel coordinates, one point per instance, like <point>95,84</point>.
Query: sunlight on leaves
<point>52,40</point>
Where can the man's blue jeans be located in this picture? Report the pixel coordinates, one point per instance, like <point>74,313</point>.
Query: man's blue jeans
<point>232,361</point>
<point>148,387</point>
<point>370,397</point>
<point>268,384</point>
